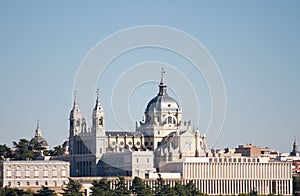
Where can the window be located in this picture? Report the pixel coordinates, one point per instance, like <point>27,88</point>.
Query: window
<point>137,160</point>
<point>27,183</point>
<point>63,173</point>
<point>147,160</point>
<point>189,146</point>
<point>8,173</point>
<point>37,183</point>
<point>46,172</point>
<point>9,184</point>
<point>54,172</point>
<point>18,172</point>
<point>27,172</point>
<point>36,172</point>
<point>46,183</point>
<point>18,183</point>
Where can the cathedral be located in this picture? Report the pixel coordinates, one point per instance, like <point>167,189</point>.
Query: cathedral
<point>159,139</point>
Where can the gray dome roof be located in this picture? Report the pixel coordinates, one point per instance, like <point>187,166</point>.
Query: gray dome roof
<point>38,137</point>
<point>162,102</point>
<point>40,140</point>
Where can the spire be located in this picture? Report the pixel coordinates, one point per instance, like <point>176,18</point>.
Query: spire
<point>98,96</point>
<point>38,132</point>
<point>75,99</point>
<point>295,151</point>
<point>37,124</point>
<point>162,85</point>
<point>98,103</point>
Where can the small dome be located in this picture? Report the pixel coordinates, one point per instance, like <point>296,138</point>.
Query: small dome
<point>38,137</point>
<point>41,141</point>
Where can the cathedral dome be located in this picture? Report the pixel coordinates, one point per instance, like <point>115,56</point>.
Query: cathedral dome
<point>38,137</point>
<point>162,101</point>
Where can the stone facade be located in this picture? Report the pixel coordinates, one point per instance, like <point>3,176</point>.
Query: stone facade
<point>34,174</point>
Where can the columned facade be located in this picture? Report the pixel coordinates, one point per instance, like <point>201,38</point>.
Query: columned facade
<point>235,175</point>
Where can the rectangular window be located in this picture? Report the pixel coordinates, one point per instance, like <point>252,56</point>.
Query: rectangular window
<point>9,174</point>
<point>137,160</point>
<point>54,173</point>
<point>147,160</point>
<point>45,173</point>
<point>18,174</point>
<point>27,174</point>
<point>36,173</point>
<point>63,173</point>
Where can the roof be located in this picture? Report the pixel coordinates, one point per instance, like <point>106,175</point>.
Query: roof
<point>123,133</point>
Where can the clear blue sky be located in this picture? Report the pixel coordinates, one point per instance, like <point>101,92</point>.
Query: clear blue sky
<point>256,45</point>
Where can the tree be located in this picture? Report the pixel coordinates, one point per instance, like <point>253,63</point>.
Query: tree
<point>296,186</point>
<point>45,191</point>
<point>192,190</point>
<point>162,189</point>
<point>253,193</point>
<point>73,188</point>
<point>5,152</point>
<point>180,189</point>
<point>102,188</point>
<point>25,149</point>
<point>14,192</point>
<point>139,188</point>
<point>121,188</point>
<point>58,151</point>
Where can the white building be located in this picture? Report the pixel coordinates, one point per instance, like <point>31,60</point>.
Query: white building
<point>128,163</point>
<point>170,145</point>
<point>234,175</point>
<point>162,135</point>
<point>34,174</point>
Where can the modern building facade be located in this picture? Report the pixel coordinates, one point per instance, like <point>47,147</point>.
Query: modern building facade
<point>234,175</point>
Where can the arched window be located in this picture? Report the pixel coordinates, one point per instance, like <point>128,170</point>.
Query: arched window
<point>170,120</point>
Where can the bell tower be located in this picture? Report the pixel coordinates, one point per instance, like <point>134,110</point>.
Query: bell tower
<point>75,118</point>
<point>98,128</point>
